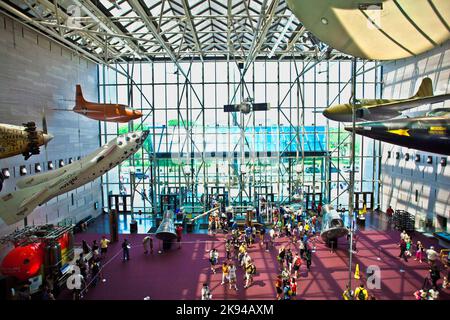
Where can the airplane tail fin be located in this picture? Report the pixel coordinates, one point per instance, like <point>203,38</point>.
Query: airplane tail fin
<point>79,100</point>
<point>15,206</point>
<point>425,89</point>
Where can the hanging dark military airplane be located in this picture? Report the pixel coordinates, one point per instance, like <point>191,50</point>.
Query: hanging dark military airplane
<point>427,133</point>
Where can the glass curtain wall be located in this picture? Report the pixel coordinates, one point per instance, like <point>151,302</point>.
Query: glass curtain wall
<point>195,149</point>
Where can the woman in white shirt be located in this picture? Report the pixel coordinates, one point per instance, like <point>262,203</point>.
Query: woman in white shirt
<point>232,276</point>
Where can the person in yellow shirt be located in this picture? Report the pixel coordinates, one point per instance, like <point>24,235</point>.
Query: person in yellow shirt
<point>348,293</point>
<point>104,246</point>
<point>224,272</point>
<point>361,293</point>
<point>242,251</point>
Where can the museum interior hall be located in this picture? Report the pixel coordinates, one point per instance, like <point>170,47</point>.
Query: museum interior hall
<point>224,149</point>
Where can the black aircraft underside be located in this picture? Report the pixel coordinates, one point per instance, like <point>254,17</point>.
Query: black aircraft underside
<point>426,134</point>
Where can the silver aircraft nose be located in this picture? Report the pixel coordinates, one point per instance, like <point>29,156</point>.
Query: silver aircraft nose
<point>47,137</point>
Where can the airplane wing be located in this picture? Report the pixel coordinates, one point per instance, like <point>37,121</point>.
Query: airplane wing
<point>40,178</point>
<point>15,206</point>
<point>394,109</point>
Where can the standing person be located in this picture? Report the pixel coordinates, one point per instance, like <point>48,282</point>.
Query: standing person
<point>294,287</point>
<point>210,223</point>
<point>432,255</point>
<point>95,248</point>
<point>232,276</point>
<point>248,235</point>
<point>279,286</point>
<point>225,272</point>
<point>271,237</point>
<point>228,248</point>
<point>213,259</point>
<point>126,250</point>
<point>308,259</point>
<point>403,235</point>
<point>361,293</point>
<point>95,273</point>
<point>262,233</point>
<point>419,251</point>
<point>104,246</point>
<point>179,232</point>
<point>297,265</point>
<point>435,275</point>
<point>78,281</point>
<point>206,292</point>
<point>403,250</point>
<point>253,234</point>
<point>83,265</point>
<point>242,252</point>
<point>389,212</point>
<point>302,248</point>
<point>287,290</point>
<point>289,259</point>
<point>281,256</point>
<point>348,294</point>
<point>250,270</point>
<point>146,243</point>
<point>246,259</point>
<point>408,246</point>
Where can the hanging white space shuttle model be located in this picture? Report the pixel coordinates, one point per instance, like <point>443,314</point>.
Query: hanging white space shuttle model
<point>38,189</point>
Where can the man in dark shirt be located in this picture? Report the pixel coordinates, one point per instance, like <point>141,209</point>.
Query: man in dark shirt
<point>126,250</point>
<point>403,250</point>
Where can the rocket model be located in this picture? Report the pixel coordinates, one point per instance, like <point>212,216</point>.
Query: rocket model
<point>38,189</point>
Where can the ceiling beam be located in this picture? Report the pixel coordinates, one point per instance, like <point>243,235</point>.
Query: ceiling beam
<point>49,32</point>
<point>187,12</point>
<point>294,39</point>
<point>110,27</point>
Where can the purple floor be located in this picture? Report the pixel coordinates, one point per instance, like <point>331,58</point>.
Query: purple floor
<point>180,273</point>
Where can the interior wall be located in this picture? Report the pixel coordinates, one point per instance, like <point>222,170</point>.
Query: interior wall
<point>36,76</point>
<point>420,188</point>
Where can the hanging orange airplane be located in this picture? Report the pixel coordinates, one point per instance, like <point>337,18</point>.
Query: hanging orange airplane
<point>110,112</point>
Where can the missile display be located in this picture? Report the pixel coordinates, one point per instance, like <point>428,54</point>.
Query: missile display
<point>25,140</point>
<point>427,133</point>
<point>384,109</point>
<point>38,189</point>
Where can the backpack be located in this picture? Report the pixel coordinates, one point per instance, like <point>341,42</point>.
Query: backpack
<point>361,294</point>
